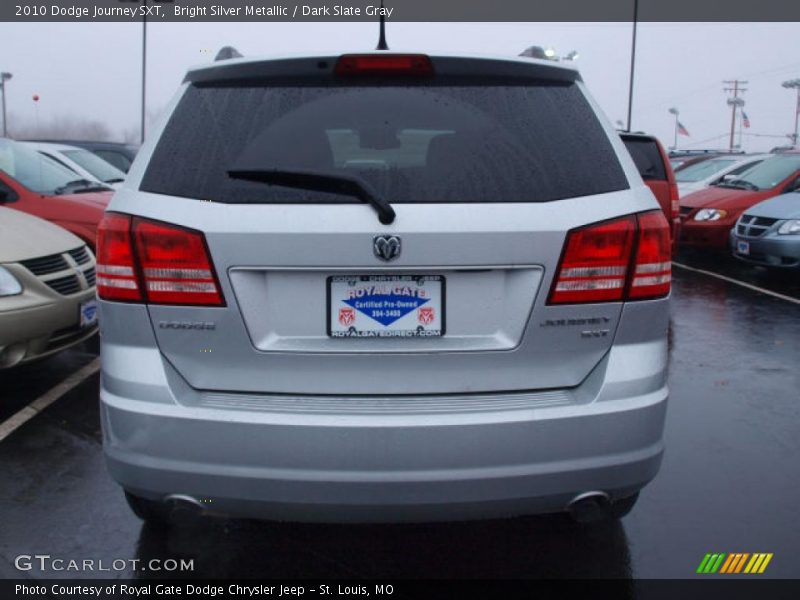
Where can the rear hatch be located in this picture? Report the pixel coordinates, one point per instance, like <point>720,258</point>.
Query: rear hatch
<point>487,165</point>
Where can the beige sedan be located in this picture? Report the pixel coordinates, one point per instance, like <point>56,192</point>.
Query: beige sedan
<point>47,289</point>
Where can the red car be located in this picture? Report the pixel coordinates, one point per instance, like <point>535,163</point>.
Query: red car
<point>654,166</point>
<point>37,185</point>
<point>710,214</point>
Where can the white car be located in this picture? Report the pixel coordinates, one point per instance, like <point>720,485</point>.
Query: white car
<point>709,172</point>
<point>84,163</point>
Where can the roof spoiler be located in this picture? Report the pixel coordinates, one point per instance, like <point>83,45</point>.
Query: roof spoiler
<point>226,53</point>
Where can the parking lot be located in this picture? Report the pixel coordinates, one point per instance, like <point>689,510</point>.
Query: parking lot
<point>728,482</point>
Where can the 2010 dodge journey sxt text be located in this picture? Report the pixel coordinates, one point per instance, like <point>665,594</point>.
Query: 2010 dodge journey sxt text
<point>408,288</point>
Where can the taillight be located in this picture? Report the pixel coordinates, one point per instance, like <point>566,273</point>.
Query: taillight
<point>624,259</point>
<point>595,263</point>
<point>116,272</point>
<point>175,264</point>
<point>675,199</point>
<point>652,273</point>
<point>384,64</point>
<point>154,262</point>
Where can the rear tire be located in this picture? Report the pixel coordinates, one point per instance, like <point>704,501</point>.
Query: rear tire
<point>151,512</point>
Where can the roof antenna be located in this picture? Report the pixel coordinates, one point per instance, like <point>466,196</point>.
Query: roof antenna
<point>382,45</point>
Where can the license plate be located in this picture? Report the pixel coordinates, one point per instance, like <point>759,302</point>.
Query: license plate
<point>386,306</point>
<point>88,312</point>
<point>743,247</point>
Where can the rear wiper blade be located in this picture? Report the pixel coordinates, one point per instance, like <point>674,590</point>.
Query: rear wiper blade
<point>115,180</point>
<point>349,185</point>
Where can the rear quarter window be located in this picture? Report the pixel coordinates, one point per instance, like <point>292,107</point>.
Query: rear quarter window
<point>445,142</point>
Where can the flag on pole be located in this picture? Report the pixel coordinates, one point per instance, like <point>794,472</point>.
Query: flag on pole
<point>682,130</point>
<point>745,120</point>
<point>798,104</point>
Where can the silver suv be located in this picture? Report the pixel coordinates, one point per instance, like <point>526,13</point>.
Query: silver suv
<point>383,287</point>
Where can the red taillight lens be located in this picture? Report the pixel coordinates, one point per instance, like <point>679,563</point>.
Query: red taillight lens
<point>675,200</point>
<point>175,264</point>
<point>652,274</point>
<point>140,260</point>
<point>116,272</point>
<point>596,264</point>
<point>384,64</point>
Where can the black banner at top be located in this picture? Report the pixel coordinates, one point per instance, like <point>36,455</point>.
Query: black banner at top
<point>400,10</point>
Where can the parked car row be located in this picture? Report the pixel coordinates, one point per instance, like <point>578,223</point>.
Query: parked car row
<point>47,264</point>
<point>38,185</point>
<point>728,214</point>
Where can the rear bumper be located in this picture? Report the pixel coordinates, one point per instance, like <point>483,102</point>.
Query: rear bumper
<point>396,469</point>
<point>392,459</point>
<point>769,251</point>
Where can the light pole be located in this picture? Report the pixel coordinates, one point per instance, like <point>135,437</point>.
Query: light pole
<point>674,111</point>
<point>3,78</point>
<point>795,85</point>
<point>633,61</point>
<point>144,71</point>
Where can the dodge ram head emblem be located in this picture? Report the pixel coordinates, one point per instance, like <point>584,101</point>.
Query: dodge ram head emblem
<point>386,247</point>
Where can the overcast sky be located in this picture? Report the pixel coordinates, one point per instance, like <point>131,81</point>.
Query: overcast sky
<point>93,70</point>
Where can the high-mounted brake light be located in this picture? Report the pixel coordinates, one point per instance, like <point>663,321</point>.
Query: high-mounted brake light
<point>384,64</point>
<point>141,260</point>
<point>599,265</point>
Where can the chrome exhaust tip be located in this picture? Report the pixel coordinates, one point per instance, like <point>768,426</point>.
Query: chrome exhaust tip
<point>183,509</point>
<point>590,507</point>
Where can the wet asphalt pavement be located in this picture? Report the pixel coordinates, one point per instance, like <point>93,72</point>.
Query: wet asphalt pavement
<point>729,481</point>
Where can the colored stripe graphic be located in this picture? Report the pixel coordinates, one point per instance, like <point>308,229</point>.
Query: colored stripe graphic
<point>754,562</point>
<point>703,563</point>
<point>711,563</point>
<point>728,564</point>
<point>733,560</point>
<point>741,563</point>
<point>759,563</point>
<point>737,562</point>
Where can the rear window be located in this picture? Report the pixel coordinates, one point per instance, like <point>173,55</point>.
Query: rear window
<point>646,155</point>
<point>443,142</point>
